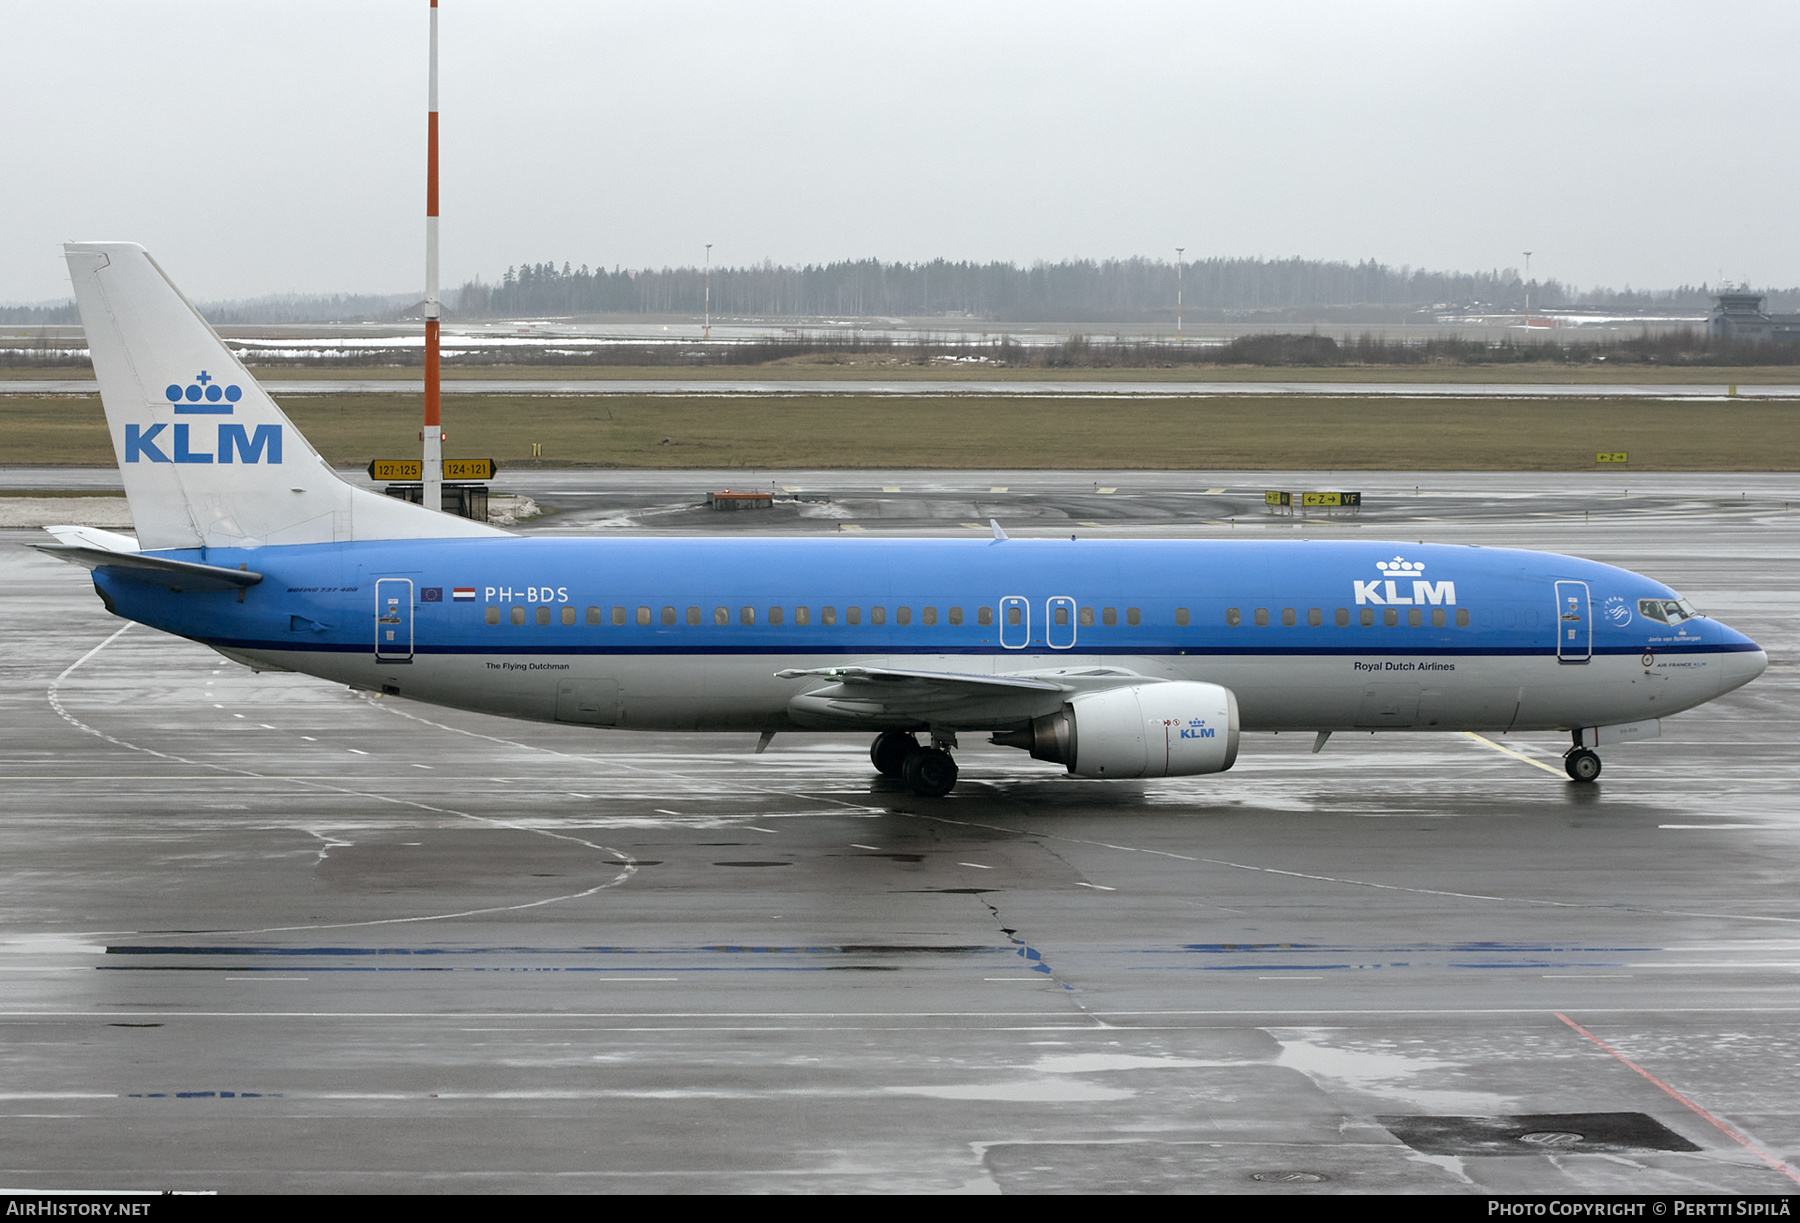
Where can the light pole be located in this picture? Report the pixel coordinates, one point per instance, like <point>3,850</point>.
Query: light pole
<point>1178,251</point>
<point>1527,291</point>
<point>431,470</point>
<point>706,328</point>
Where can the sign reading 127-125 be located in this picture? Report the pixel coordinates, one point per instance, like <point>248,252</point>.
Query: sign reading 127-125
<point>229,442</point>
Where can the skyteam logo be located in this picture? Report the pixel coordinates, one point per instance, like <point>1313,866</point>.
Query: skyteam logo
<point>230,443</point>
<point>1387,593</point>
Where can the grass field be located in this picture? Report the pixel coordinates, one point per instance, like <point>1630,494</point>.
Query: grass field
<point>1350,433</point>
<point>889,368</point>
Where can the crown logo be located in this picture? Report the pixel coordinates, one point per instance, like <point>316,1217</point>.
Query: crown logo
<point>203,388</point>
<point>1398,567</point>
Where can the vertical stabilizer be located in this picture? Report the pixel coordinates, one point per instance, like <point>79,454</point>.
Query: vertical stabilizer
<point>207,457</point>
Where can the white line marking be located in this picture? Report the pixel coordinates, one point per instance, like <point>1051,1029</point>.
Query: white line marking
<point>1507,751</point>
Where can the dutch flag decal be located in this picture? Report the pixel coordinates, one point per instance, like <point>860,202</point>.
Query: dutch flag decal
<point>463,594</point>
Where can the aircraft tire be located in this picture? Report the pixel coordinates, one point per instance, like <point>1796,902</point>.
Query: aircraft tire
<point>930,771</point>
<point>891,750</point>
<point>1582,765</point>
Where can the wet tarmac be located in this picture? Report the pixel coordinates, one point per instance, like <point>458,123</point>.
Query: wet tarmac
<point>260,933</point>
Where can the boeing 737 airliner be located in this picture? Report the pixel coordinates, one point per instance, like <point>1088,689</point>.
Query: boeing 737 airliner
<point>1117,659</point>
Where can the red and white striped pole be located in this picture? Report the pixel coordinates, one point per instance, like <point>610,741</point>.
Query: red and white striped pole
<point>433,434</point>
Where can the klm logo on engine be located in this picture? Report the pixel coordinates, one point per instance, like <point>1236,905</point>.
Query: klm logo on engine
<point>1401,573</point>
<point>1197,729</point>
<point>230,443</point>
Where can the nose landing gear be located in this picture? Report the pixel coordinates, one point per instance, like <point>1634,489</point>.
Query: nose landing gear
<point>1581,764</point>
<point>928,771</point>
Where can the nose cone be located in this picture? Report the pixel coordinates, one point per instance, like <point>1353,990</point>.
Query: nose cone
<point>1745,661</point>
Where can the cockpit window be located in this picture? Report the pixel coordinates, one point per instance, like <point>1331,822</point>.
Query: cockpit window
<point>1669,611</point>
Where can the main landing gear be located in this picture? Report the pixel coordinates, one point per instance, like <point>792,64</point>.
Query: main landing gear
<point>1581,764</point>
<point>928,771</point>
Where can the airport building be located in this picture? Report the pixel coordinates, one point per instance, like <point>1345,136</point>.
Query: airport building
<point>1740,316</point>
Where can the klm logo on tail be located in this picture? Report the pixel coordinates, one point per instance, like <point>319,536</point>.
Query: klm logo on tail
<point>203,397</point>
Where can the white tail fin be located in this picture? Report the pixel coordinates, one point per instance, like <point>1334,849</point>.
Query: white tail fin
<point>208,459</point>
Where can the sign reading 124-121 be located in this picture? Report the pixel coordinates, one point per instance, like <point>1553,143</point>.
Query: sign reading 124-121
<point>230,442</point>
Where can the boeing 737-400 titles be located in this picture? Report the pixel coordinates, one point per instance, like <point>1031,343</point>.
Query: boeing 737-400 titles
<point>1114,658</point>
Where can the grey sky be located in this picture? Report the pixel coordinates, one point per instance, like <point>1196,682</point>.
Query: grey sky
<point>262,148</point>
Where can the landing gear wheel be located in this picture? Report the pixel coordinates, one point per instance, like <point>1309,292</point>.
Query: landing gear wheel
<point>930,771</point>
<point>1581,765</point>
<point>889,751</point>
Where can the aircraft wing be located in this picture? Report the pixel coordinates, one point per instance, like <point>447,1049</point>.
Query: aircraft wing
<point>887,697</point>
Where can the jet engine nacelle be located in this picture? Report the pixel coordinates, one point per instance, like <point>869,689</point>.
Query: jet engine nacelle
<point>1146,730</point>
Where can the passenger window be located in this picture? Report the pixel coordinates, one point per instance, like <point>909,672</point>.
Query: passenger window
<point>1233,617</point>
<point>1086,618</point>
<point>903,615</point>
<point>1109,617</point>
<point>984,616</point>
<point>693,615</point>
<point>593,615</point>
<point>853,615</point>
<point>828,615</point>
<point>1288,619</point>
<point>721,615</point>
<point>956,615</point>
<point>618,615</point>
<point>801,615</point>
<point>1012,615</point>
<point>1437,617</point>
<point>1462,617</point>
<point>1262,617</point>
<point>1315,617</point>
<point>928,616</point>
<point>746,615</point>
<point>1131,616</point>
<point>1343,617</point>
<point>493,615</point>
<point>1062,615</point>
<point>643,615</point>
<point>774,615</point>
<point>568,615</point>
<point>668,615</point>
<point>1181,617</point>
<point>1367,616</point>
<point>1391,617</point>
<point>518,615</point>
<point>1415,618</point>
<point>878,615</point>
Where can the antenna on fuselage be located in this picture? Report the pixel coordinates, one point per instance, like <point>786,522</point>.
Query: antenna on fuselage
<point>998,533</point>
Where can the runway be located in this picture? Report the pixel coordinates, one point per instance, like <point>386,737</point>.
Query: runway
<point>262,934</point>
<point>904,389</point>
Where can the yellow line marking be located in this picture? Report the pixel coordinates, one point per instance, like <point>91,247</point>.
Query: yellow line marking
<point>1213,492</point>
<point>998,488</point>
<point>1507,751</point>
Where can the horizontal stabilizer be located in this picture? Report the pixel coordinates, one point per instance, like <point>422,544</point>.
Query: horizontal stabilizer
<point>93,537</point>
<point>161,571</point>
